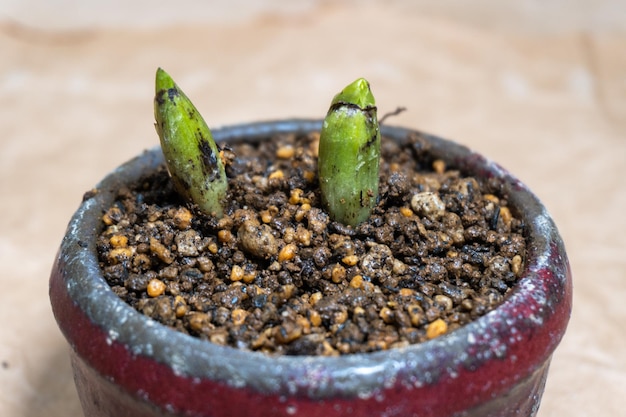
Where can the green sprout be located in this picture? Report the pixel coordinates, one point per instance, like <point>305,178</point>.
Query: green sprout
<point>349,155</point>
<point>191,155</point>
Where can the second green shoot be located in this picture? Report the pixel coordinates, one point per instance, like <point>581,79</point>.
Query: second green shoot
<point>349,155</point>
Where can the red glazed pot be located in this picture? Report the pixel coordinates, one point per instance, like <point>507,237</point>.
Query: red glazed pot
<point>126,364</point>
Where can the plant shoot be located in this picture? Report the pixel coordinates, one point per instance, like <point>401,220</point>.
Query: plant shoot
<point>349,155</point>
<point>191,155</point>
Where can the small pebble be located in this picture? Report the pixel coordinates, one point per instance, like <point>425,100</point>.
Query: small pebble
<point>119,255</point>
<point>466,186</point>
<point>304,324</point>
<point>315,298</point>
<point>505,215</point>
<point>198,321</point>
<point>180,306</point>
<point>356,281</point>
<point>187,243</point>
<point>287,253</point>
<point>432,314</point>
<point>439,166</point>
<point>277,175</point>
<point>399,267</point>
<point>467,304</point>
<point>249,274</point>
<point>225,236</point>
<point>358,311</point>
<point>219,337</point>
<point>289,234</point>
<point>350,260</point>
<point>285,152</point>
<point>406,212</point>
<point>309,176</point>
<point>444,301</point>
<point>516,265</point>
<point>238,316</point>
<point>402,318</point>
<point>315,318</point>
<point>287,332</point>
<point>303,236</point>
<point>318,220</point>
<point>266,217</point>
<point>155,287</point>
<point>296,196</point>
<point>112,216</point>
<point>340,317</point>
<point>436,329</point>
<point>406,292</point>
<point>301,213</point>
<point>257,240</point>
<point>142,261</point>
<point>287,291</point>
<point>416,314</point>
<point>492,198</point>
<point>428,204</point>
<point>182,218</point>
<point>118,241</point>
<point>387,315</point>
<point>205,264</point>
<point>161,251</point>
<point>226,222</point>
<point>338,274</point>
<point>213,248</point>
<point>169,272</point>
<point>236,273</point>
<point>498,265</point>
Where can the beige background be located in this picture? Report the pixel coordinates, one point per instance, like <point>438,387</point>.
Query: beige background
<point>538,86</point>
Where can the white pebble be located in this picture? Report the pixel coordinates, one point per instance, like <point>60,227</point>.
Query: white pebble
<point>428,204</point>
<point>187,242</point>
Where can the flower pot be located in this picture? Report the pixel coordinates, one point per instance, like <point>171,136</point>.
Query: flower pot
<point>126,364</point>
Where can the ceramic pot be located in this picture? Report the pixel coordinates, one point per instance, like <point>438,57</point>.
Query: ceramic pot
<point>126,364</point>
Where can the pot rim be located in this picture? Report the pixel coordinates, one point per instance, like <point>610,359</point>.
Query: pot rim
<point>541,298</point>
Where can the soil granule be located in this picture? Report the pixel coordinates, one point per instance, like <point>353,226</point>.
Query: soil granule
<point>276,275</point>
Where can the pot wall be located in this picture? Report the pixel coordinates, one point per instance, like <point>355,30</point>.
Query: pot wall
<point>126,364</point>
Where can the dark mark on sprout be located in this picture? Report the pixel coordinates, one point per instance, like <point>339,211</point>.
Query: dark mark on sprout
<point>371,141</point>
<point>159,97</point>
<point>338,105</point>
<point>172,93</point>
<point>209,160</point>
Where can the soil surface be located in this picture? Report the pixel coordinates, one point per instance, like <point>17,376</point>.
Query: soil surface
<point>276,275</point>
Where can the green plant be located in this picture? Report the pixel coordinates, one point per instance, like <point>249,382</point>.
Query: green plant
<point>191,155</point>
<point>349,155</point>
<point>349,152</point>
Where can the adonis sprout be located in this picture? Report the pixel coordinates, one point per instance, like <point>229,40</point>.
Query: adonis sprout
<point>191,155</point>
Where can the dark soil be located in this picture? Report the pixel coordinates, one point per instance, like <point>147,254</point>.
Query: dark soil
<point>276,275</point>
